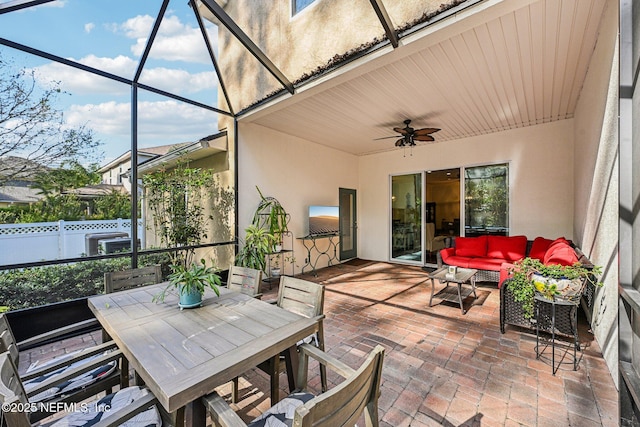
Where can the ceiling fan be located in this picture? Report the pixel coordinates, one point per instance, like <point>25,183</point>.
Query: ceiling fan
<point>409,135</point>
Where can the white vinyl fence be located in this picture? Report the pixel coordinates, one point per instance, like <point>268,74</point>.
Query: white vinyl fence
<point>21,243</point>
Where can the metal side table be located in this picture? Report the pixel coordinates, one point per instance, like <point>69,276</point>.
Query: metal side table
<point>558,316</point>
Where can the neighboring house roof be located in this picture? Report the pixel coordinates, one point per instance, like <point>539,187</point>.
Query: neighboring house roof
<point>93,191</point>
<point>162,149</point>
<point>207,146</point>
<point>20,168</point>
<point>142,152</point>
<point>18,192</point>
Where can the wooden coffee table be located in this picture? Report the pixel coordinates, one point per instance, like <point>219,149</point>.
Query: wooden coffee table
<point>458,293</point>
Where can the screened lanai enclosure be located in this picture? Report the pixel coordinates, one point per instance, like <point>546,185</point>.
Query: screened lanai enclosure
<point>115,151</point>
<point>139,96</point>
<point>123,126</point>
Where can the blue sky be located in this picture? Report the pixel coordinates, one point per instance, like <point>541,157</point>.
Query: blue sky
<point>111,35</point>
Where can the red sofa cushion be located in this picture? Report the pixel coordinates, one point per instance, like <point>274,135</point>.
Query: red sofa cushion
<point>510,248</point>
<point>471,246</point>
<point>539,248</point>
<point>492,264</point>
<point>560,253</point>
<point>459,261</point>
<point>446,253</point>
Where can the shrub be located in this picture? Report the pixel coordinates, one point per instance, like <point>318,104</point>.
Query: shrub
<point>31,287</point>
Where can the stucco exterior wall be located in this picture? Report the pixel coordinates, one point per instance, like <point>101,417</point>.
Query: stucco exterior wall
<point>540,180</point>
<point>596,181</point>
<point>297,172</point>
<point>219,229</point>
<point>300,44</point>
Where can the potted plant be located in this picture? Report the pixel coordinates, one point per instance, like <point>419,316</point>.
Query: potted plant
<point>275,267</point>
<point>190,283</point>
<point>258,243</point>
<point>529,276</point>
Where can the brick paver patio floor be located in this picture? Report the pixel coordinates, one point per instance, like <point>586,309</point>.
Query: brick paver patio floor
<point>441,367</point>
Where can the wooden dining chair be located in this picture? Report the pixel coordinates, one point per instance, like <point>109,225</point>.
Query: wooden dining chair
<point>122,280</point>
<point>249,282</point>
<point>69,378</point>
<point>340,406</point>
<point>111,410</point>
<point>115,281</point>
<point>245,280</point>
<point>306,299</point>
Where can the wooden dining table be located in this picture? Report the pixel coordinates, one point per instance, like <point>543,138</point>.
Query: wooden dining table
<point>182,355</point>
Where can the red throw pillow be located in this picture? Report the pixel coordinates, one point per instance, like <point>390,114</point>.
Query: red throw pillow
<point>511,248</point>
<point>471,246</point>
<point>559,241</point>
<point>561,254</point>
<point>539,248</point>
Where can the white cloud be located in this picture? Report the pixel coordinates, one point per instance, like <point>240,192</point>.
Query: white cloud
<point>178,81</point>
<point>175,41</point>
<point>83,83</point>
<point>108,118</point>
<point>160,122</point>
<point>137,27</point>
<point>89,27</point>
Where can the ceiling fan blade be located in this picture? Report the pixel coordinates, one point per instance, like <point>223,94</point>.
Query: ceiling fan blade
<point>423,138</point>
<point>385,137</point>
<point>400,142</point>
<point>402,131</point>
<point>425,131</point>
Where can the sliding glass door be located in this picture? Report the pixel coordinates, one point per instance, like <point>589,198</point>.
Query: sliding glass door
<point>428,208</point>
<point>406,218</point>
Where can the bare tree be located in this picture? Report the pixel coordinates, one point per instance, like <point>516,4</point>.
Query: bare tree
<point>33,133</point>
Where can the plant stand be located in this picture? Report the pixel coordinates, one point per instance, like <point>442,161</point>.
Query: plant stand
<point>557,317</point>
<point>284,257</point>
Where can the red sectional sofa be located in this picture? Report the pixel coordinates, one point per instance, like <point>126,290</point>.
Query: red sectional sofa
<point>493,255</point>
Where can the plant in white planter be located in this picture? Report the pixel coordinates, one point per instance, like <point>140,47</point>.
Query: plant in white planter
<point>275,267</point>
<point>190,283</point>
<point>529,276</point>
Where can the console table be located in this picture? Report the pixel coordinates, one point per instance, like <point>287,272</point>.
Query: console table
<point>331,252</point>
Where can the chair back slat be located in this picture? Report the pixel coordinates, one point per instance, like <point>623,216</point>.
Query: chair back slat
<point>12,392</point>
<point>344,404</point>
<point>7,340</point>
<point>121,280</point>
<point>245,280</point>
<point>301,297</point>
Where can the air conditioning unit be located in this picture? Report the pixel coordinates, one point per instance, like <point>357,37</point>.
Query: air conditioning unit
<point>115,245</point>
<point>93,240</point>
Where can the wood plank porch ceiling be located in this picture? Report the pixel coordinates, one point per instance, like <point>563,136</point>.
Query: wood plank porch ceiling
<point>495,66</point>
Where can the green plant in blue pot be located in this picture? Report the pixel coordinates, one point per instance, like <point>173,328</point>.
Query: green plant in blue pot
<point>190,283</point>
